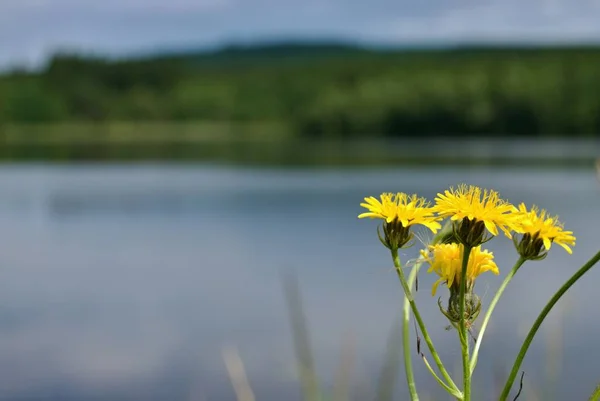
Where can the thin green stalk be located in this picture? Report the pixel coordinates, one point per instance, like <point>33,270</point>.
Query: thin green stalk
<point>456,393</point>
<point>462,333</point>
<point>408,367</point>
<point>419,320</point>
<point>488,313</point>
<point>596,394</point>
<point>538,322</point>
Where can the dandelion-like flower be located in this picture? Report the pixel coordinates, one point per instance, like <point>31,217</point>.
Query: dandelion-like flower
<point>539,232</point>
<point>408,209</point>
<point>399,212</point>
<point>446,261</point>
<point>474,210</point>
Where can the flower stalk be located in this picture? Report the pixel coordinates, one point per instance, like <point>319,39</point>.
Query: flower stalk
<point>490,310</point>
<point>540,319</point>
<point>408,295</point>
<point>462,333</point>
<point>596,394</point>
<point>408,367</point>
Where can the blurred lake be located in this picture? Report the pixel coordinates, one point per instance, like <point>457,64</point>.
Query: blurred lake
<point>245,145</point>
<point>124,282</point>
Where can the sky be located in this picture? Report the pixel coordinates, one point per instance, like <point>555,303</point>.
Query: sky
<point>32,30</point>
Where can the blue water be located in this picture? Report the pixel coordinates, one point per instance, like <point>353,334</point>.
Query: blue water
<point>125,282</point>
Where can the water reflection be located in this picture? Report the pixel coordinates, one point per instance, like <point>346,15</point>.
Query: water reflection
<point>125,282</point>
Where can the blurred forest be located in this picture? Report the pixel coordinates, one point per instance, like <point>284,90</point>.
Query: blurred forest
<point>325,91</point>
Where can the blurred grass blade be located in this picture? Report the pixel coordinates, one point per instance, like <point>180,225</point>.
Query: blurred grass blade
<point>237,374</point>
<point>341,386</point>
<point>391,366</point>
<point>304,357</point>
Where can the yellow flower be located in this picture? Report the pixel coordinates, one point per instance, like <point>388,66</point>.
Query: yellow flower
<point>408,210</point>
<point>446,261</point>
<point>472,205</point>
<point>537,225</point>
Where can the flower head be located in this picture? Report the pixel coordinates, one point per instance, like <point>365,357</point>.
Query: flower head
<point>399,212</point>
<point>446,261</point>
<point>407,209</point>
<point>474,210</point>
<point>539,232</point>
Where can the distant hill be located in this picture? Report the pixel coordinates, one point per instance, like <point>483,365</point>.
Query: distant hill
<point>291,51</point>
<point>286,49</point>
<point>294,50</point>
<point>256,52</point>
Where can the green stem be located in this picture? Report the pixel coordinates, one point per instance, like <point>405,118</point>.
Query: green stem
<point>488,313</point>
<point>538,322</point>
<point>462,333</point>
<point>408,367</point>
<point>455,393</point>
<point>415,311</point>
<point>596,394</point>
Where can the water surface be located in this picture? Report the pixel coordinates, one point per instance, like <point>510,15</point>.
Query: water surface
<point>125,282</point>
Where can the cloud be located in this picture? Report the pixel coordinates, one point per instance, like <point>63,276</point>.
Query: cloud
<point>35,6</point>
<point>30,30</point>
<point>538,20</point>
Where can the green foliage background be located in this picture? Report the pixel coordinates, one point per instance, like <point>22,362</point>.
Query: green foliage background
<point>324,91</point>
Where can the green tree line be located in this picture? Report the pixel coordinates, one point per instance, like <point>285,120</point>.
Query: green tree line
<point>324,92</point>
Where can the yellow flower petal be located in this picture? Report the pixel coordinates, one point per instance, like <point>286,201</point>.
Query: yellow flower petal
<point>491,227</point>
<point>435,286</point>
<point>474,203</point>
<point>408,209</point>
<point>446,261</point>
<point>547,228</point>
<point>547,242</point>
